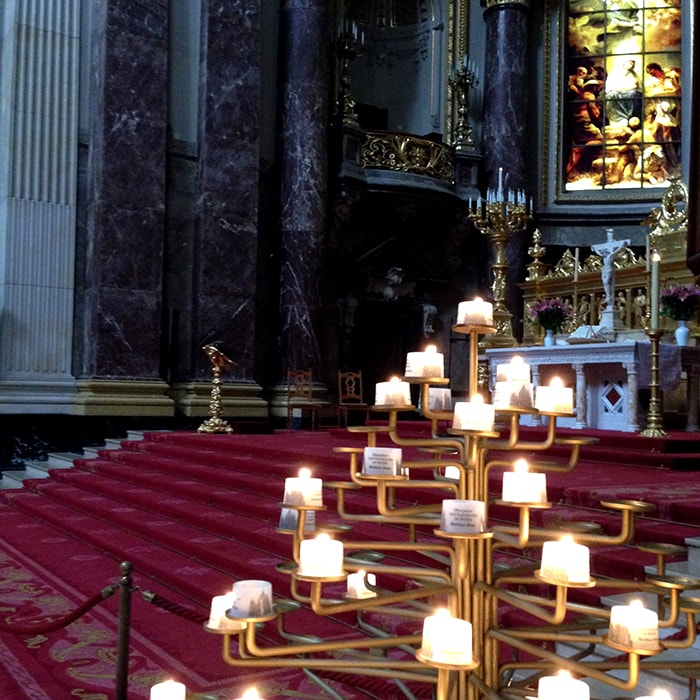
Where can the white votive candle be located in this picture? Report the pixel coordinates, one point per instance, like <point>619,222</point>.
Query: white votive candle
<point>427,364</point>
<point>473,415</point>
<point>517,370</point>
<point>658,695</point>
<point>475,313</point>
<point>303,490</point>
<point>524,486</point>
<point>463,516</point>
<point>634,626</point>
<point>555,398</point>
<point>393,393</point>
<point>447,639</point>
<point>218,619</point>
<point>356,587</point>
<point>251,598</point>
<point>564,561</point>
<point>168,690</point>
<point>562,686</point>
<point>250,694</point>
<point>321,556</point>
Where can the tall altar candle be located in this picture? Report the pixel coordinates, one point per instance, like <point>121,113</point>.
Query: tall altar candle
<point>576,265</point>
<point>655,259</point>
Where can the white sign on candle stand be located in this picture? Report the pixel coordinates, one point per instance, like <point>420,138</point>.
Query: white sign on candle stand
<point>168,690</point>
<point>463,516</point>
<point>381,461</point>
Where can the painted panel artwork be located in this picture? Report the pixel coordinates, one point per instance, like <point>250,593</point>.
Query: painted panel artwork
<point>622,106</point>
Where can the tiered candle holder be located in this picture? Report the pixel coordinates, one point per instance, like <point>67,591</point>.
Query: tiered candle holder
<point>456,565</point>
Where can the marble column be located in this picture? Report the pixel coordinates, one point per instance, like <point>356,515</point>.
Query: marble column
<point>304,182</point>
<point>39,58</point>
<point>218,298</point>
<point>507,86</point>
<point>581,395</point>
<point>121,259</point>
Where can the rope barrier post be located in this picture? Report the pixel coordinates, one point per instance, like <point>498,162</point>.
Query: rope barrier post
<point>124,631</point>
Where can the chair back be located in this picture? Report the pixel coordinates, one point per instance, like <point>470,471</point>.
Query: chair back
<point>300,383</point>
<point>350,387</point>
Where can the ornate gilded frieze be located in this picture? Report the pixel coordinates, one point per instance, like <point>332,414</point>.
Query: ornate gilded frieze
<point>408,154</point>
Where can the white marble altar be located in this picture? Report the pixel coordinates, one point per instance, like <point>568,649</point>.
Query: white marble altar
<point>607,378</point>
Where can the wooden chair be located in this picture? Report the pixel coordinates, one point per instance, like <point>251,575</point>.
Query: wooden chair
<point>350,396</point>
<point>300,396</point>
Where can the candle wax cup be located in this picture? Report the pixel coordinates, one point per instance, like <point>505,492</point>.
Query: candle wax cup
<point>447,639</point>
<point>321,557</point>
<point>473,415</point>
<point>524,487</point>
<point>634,626</point>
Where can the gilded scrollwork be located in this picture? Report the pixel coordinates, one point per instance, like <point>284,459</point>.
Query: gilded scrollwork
<point>408,154</point>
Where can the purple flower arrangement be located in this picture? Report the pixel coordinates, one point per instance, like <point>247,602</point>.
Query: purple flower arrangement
<point>551,314</point>
<point>680,303</point>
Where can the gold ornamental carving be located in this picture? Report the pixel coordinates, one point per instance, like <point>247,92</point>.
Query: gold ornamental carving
<point>408,154</point>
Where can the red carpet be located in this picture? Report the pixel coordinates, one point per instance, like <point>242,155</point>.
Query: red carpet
<point>196,512</point>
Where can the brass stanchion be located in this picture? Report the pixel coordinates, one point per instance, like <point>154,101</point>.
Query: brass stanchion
<point>655,418</point>
<point>215,423</point>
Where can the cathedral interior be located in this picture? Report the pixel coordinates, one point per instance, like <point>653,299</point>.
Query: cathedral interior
<point>298,182</point>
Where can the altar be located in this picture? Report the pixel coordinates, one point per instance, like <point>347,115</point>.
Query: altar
<point>607,378</point>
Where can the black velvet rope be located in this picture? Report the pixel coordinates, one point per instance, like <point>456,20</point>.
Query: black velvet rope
<point>46,627</point>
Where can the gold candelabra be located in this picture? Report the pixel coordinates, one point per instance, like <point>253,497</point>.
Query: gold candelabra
<point>458,568</point>
<point>462,78</point>
<point>215,423</point>
<point>655,414</point>
<point>501,215</point>
<point>346,47</point>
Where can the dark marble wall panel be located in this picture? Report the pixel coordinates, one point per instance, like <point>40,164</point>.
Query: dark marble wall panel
<point>227,209</point>
<point>119,315</point>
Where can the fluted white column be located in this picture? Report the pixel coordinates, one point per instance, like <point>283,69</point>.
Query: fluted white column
<point>38,169</point>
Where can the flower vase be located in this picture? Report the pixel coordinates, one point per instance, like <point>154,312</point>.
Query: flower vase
<point>549,340</point>
<point>682,333</point>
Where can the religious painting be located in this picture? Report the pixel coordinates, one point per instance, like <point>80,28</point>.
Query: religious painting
<point>622,94</point>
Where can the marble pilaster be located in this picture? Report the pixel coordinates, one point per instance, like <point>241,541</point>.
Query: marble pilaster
<point>119,315</point>
<point>39,50</point>
<point>304,182</point>
<point>505,122</point>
